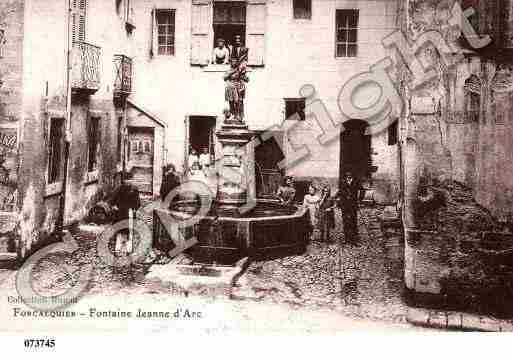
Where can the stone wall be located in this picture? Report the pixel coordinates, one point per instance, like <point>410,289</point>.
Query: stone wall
<point>11,75</point>
<point>43,92</point>
<point>458,168</point>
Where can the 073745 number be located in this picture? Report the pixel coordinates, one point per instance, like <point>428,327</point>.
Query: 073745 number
<point>39,343</point>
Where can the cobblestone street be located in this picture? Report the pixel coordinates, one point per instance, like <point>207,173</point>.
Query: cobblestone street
<point>361,282</point>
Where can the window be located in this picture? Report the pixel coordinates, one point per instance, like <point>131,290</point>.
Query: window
<point>134,146</point>
<point>211,20</point>
<point>55,147</point>
<point>147,147</point>
<point>472,98</point>
<point>347,33</point>
<point>393,134</point>
<point>165,20</point>
<point>302,9</point>
<point>120,138</point>
<point>229,21</point>
<point>93,142</point>
<point>295,106</point>
<point>78,20</point>
<point>2,42</point>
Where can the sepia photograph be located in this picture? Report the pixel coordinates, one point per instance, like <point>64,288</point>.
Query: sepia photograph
<point>255,166</point>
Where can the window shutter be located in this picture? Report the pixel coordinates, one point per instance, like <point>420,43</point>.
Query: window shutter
<point>255,38</point>
<point>200,28</point>
<point>78,20</point>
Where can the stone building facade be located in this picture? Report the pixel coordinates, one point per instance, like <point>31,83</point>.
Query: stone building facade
<point>457,153</point>
<point>292,44</point>
<point>37,123</point>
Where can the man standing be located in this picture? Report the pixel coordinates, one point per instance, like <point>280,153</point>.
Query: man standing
<point>125,202</point>
<point>239,52</point>
<point>169,181</point>
<point>348,196</point>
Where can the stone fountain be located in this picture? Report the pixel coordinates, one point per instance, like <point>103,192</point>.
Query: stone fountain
<point>237,226</point>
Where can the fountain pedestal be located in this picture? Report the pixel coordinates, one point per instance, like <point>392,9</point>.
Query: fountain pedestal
<point>236,170</point>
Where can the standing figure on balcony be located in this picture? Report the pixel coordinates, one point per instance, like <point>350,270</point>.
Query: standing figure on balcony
<point>235,79</point>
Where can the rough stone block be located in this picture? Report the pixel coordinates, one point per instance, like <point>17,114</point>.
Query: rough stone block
<point>506,326</point>
<point>418,316</point>
<point>438,319</point>
<point>454,320</point>
<point>490,324</point>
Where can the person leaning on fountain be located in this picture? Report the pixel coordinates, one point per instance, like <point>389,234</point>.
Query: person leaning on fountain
<point>286,192</point>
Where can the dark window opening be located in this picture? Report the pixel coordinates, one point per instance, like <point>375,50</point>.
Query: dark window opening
<point>93,142</point>
<point>229,21</point>
<point>393,134</point>
<point>2,42</point>
<point>474,18</point>
<point>55,149</point>
<point>202,134</point>
<point>347,33</point>
<point>295,106</point>
<point>165,32</point>
<point>120,139</point>
<point>302,9</point>
<point>268,155</point>
<point>473,98</point>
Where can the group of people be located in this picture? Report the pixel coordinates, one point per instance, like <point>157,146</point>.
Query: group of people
<point>321,205</point>
<point>224,52</point>
<point>199,165</point>
<point>236,77</point>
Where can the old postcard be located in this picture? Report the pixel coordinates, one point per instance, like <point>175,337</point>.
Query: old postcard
<point>255,166</point>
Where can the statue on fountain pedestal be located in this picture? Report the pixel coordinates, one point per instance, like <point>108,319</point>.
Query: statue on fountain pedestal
<point>235,79</point>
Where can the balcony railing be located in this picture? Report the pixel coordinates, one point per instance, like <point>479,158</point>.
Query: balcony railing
<point>85,67</point>
<point>123,79</point>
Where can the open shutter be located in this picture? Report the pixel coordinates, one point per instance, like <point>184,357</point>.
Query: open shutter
<point>153,36</point>
<point>255,38</point>
<point>78,20</point>
<point>200,28</point>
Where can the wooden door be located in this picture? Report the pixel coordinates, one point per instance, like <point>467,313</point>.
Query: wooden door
<point>141,157</point>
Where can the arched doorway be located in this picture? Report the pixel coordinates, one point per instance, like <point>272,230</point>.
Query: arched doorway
<point>355,149</point>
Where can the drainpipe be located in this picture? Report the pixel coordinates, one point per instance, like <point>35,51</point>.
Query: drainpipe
<point>67,137</point>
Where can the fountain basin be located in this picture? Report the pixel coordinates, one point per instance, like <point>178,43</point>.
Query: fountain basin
<point>268,231</point>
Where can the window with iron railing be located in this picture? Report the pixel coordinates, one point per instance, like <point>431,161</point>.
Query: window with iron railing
<point>123,76</point>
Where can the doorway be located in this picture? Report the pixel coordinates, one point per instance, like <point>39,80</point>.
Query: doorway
<point>268,154</point>
<point>141,157</point>
<point>355,150</point>
<point>201,134</point>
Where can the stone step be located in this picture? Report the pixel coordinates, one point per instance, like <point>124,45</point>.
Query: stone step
<point>8,258</point>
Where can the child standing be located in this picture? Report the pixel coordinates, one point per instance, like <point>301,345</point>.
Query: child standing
<point>326,213</point>
<point>311,201</point>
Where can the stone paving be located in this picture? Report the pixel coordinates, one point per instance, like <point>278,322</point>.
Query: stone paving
<point>363,280</point>
<point>360,282</point>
